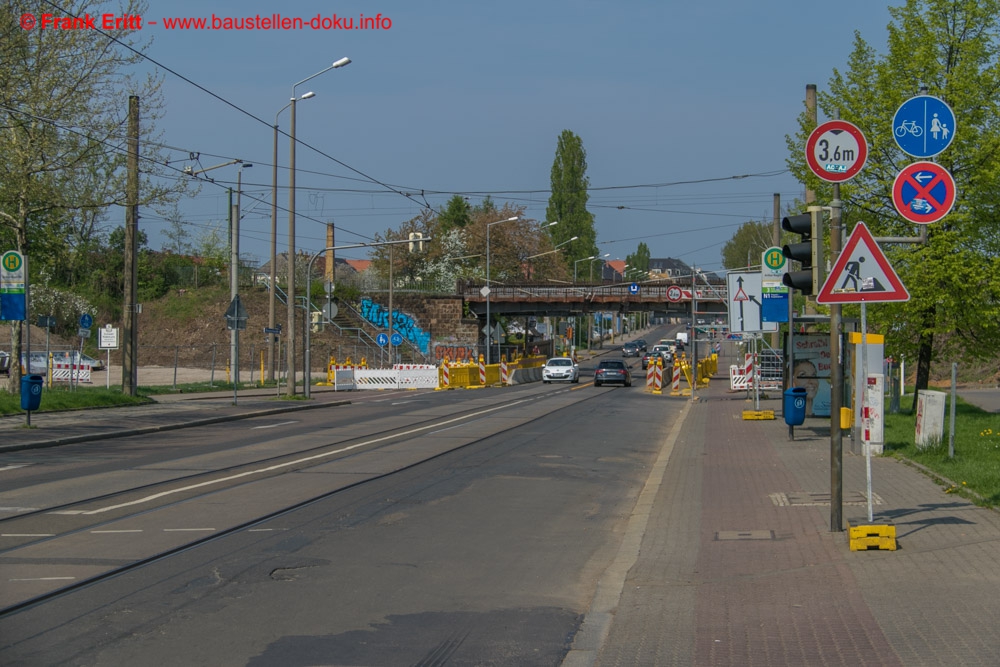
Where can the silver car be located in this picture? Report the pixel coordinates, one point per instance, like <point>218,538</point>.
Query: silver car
<point>560,369</point>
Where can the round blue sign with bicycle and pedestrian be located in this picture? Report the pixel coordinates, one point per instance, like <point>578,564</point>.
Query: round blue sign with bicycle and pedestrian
<point>923,126</point>
<point>397,339</point>
<point>382,339</point>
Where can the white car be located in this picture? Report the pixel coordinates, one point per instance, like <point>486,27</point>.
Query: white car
<point>560,369</point>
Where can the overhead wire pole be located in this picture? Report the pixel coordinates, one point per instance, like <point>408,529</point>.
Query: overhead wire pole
<point>131,333</point>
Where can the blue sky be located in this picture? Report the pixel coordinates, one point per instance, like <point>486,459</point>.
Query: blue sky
<point>471,97</point>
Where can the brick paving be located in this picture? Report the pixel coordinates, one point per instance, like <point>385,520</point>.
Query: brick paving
<point>728,575</point>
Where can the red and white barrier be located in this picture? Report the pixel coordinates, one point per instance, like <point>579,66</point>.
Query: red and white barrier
<point>70,372</point>
<point>504,380</point>
<point>482,370</point>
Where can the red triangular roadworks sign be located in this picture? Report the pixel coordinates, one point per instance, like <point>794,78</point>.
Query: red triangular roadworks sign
<point>862,273</point>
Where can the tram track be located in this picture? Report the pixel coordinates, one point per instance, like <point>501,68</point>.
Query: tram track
<point>93,526</point>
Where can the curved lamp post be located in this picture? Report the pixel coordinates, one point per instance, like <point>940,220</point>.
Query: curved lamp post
<point>290,297</point>
<point>307,353</point>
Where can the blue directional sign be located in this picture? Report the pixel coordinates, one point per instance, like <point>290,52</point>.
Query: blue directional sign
<point>633,288</point>
<point>923,126</point>
<point>86,321</point>
<point>396,339</point>
<point>382,340</point>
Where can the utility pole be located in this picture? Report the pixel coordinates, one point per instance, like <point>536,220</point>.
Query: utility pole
<point>130,374</point>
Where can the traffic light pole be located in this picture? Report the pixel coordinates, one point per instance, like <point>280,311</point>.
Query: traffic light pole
<point>836,382</point>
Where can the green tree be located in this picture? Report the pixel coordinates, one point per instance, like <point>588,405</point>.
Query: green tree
<point>745,247</point>
<point>951,47</point>
<point>639,260</point>
<point>63,107</point>
<point>455,215</point>
<point>568,202</point>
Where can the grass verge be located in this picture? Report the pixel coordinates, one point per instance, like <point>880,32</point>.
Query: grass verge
<point>974,471</point>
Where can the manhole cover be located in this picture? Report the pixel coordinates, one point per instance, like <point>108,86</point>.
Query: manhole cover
<point>726,535</point>
<point>820,499</point>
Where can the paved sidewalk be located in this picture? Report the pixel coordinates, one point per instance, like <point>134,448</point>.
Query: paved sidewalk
<point>738,564</point>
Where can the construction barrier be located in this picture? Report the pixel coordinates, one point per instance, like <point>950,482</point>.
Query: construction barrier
<point>504,380</point>
<point>70,373</point>
<point>445,376</point>
<point>650,377</point>
<point>342,378</point>
<point>411,376</point>
<point>675,384</point>
<point>482,371</point>
<point>658,377</point>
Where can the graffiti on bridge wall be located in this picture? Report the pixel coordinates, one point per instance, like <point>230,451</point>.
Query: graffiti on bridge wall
<point>402,323</point>
<point>460,353</point>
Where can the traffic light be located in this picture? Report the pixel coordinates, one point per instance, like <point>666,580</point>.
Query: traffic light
<point>416,242</point>
<point>808,252</point>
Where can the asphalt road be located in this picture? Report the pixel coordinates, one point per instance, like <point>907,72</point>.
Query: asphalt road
<point>463,527</point>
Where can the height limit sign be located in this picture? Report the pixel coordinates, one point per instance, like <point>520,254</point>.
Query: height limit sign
<point>836,151</point>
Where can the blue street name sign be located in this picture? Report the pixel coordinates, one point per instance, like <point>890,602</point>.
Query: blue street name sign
<point>275,330</point>
<point>923,126</point>
<point>382,339</point>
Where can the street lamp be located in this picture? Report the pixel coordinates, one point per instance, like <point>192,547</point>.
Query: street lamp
<point>555,249</point>
<point>489,331</point>
<point>234,252</point>
<point>587,259</point>
<point>272,292</point>
<point>290,296</point>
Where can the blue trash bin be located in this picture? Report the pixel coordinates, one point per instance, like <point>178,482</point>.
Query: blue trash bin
<point>31,391</point>
<point>795,406</point>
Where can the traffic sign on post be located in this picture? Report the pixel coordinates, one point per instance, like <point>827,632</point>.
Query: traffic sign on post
<point>86,321</point>
<point>862,273</point>
<point>923,192</point>
<point>923,126</point>
<point>633,288</point>
<point>674,294</point>
<point>396,339</point>
<point>382,339</point>
<point>836,151</point>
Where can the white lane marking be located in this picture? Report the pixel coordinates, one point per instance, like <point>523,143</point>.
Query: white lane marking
<point>68,512</point>
<point>15,465</point>
<point>289,464</point>
<point>188,530</point>
<point>260,530</point>
<point>46,579</point>
<point>105,532</point>
<point>274,425</point>
<point>27,534</point>
<point>18,509</point>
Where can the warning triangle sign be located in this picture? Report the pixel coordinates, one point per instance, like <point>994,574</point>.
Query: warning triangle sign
<point>862,273</point>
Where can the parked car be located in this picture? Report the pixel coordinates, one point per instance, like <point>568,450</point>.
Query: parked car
<point>630,349</point>
<point>612,372</point>
<point>560,369</point>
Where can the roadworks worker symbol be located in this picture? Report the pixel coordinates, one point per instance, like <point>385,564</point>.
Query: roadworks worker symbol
<point>862,273</point>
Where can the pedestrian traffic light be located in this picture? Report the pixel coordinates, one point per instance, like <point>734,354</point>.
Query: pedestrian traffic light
<point>808,252</point>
